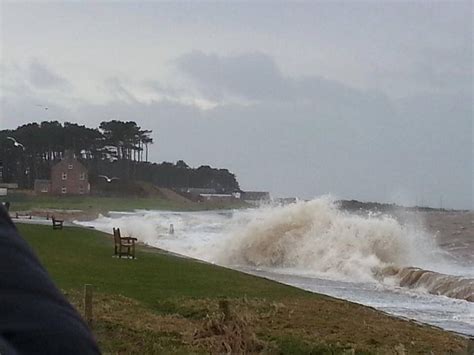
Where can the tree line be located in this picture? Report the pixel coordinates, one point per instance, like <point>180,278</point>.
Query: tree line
<point>115,147</point>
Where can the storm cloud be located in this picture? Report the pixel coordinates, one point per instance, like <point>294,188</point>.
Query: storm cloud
<point>361,100</point>
<point>41,77</point>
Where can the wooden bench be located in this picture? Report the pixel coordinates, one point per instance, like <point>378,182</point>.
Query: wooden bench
<point>22,215</point>
<point>124,246</point>
<point>57,223</point>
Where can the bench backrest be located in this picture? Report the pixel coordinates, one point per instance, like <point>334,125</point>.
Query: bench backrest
<point>117,235</point>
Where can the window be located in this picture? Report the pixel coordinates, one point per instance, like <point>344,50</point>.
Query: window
<point>69,166</point>
<point>81,189</point>
<point>64,176</point>
<point>63,190</point>
<point>82,176</point>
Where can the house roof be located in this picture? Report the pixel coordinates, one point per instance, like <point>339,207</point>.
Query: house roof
<point>199,190</point>
<point>68,158</point>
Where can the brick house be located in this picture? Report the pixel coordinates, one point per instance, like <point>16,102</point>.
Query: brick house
<point>69,177</point>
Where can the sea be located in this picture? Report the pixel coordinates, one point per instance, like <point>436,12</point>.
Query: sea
<point>418,266</point>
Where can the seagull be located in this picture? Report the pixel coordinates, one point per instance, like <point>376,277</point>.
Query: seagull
<point>15,143</point>
<point>109,180</point>
<point>42,106</point>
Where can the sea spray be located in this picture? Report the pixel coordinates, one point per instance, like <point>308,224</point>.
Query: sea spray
<point>317,238</point>
<point>312,238</point>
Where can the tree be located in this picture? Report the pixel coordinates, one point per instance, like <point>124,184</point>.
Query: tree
<point>45,143</point>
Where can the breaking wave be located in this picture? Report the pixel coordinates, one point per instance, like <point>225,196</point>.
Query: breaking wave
<point>317,238</point>
<point>434,282</point>
<point>313,238</point>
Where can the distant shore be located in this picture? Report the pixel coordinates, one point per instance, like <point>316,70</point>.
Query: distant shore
<point>90,206</point>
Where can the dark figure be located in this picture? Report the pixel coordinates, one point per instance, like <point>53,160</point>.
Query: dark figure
<point>7,206</point>
<point>34,315</point>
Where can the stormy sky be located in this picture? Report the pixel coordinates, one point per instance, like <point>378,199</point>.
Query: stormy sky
<point>364,100</point>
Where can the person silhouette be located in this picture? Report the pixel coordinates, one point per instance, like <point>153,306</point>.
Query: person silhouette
<point>34,315</point>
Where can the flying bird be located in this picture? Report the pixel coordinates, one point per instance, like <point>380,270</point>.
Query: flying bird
<point>45,107</point>
<point>109,180</point>
<point>15,143</point>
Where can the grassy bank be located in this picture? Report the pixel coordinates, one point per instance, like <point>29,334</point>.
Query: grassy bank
<point>161,303</point>
<point>22,202</point>
<point>97,204</point>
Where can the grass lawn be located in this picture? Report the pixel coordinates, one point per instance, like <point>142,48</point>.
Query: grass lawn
<point>21,202</point>
<point>161,303</point>
<point>94,204</point>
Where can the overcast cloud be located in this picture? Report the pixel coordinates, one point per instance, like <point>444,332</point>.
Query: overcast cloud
<point>41,77</point>
<point>360,100</point>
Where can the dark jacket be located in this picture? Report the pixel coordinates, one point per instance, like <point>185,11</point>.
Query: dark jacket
<point>35,318</point>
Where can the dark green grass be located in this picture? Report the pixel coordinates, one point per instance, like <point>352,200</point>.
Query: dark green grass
<point>22,202</point>
<point>76,256</point>
<point>26,202</point>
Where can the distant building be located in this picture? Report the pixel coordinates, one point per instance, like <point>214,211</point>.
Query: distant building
<point>286,200</point>
<point>199,191</point>
<point>237,194</point>
<point>255,197</point>
<point>68,177</point>
<point>4,187</point>
<point>42,186</point>
<point>217,197</point>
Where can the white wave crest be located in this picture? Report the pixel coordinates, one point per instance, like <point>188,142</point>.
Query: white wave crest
<point>315,237</point>
<point>305,238</point>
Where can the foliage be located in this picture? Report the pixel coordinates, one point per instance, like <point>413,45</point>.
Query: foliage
<point>116,148</point>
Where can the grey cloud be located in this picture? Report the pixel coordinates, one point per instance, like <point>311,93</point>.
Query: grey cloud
<point>250,75</point>
<point>306,149</point>
<point>444,69</point>
<point>256,77</point>
<point>41,77</point>
<point>368,152</point>
<point>429,70</point>
<point>17,110</point>
<point>118,90</point>
<point>161,88</point>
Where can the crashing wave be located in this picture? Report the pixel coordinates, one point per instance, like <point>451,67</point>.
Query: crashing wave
<point>433,282</point>
<point>317,238</point>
